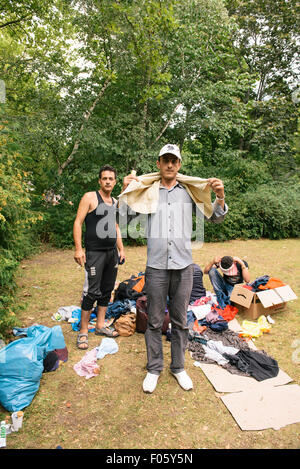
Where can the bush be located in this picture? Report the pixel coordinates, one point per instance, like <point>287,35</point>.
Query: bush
<point>16,221</point>
<point>271,211</point>
<point>8,265</point>
<point>275,210</point>
<point>57,225</point>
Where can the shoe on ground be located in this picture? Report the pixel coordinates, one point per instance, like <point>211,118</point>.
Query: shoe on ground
<point>184,380</point>
<point>150,382</point>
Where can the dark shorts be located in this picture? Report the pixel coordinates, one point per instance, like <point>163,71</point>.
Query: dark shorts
<point>101,270</point>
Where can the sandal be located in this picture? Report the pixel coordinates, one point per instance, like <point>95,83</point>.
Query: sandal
<point>106,331</point>
<point>82,342</point>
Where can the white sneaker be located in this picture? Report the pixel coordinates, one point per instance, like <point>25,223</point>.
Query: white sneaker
<point>150,382</point>
<point>184,380</point>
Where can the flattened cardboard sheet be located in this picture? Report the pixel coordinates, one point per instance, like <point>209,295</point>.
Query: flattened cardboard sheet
<point>273,407</point>
<point>224,381</point>
<point>255,405</point>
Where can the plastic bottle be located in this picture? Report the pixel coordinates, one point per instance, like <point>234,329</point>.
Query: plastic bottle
<point>3,434</point>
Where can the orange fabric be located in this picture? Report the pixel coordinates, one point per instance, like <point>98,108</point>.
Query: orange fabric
<point>272,283</point>
<point>228,312</point>
<point>139,286</point>
<point>198,328</point>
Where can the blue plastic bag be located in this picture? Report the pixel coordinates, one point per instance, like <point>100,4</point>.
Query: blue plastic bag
<point>21,365</point>
<point>76,314</point>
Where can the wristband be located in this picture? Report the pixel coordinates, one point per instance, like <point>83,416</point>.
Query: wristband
<point>220,198</point>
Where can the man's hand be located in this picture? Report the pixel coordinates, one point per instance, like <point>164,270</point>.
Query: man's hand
<point>217,187</point>
<point>122,255</point>
<point>217,260</point>
<point>127,180</point>
<point>79,257</point>
<point>238,260</point>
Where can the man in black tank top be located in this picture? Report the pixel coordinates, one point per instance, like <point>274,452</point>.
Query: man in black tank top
<point>103,247</point>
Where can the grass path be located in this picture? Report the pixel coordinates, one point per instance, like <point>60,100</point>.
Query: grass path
<point>111,410</point>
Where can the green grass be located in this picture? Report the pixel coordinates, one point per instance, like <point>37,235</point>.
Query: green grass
<point>111,411</point>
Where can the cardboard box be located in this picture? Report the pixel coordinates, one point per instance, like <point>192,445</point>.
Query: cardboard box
<point>254,304</point>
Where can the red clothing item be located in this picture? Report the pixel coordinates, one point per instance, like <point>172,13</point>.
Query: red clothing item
<point>228,313</point>
<point>272,283</point>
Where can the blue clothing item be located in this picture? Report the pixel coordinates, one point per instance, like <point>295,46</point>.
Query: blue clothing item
<point>114,310</point>
<point>217,326</point>
<point>21,365</point>
<point>107,346</point>
<point>76,314</point>
<point>190,317</point>
<point>259,281</point>
<point>222,288</point>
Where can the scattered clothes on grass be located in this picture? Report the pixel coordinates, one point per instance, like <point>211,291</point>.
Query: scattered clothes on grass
<point>107,346</point>
<point>64,313</point>
<point>259,366</point>
<point>87,366</point>
<point>213,347</point>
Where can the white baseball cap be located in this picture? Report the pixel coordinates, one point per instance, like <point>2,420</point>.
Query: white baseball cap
<point>172,149</point>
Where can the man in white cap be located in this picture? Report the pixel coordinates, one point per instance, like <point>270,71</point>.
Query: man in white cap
<point>169,269</point>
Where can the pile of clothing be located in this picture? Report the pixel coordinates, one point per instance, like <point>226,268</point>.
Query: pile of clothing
<point>265,282</point>
<point>72,314</point>
<point>205,312</point>
<point>226,348</point>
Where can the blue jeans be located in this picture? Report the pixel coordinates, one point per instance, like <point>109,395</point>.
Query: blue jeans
<point>222,288</point>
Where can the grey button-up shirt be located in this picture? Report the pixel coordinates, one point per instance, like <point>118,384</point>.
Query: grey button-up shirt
<point>170,228</point>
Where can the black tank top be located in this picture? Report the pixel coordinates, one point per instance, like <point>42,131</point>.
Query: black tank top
<point>100,224</point>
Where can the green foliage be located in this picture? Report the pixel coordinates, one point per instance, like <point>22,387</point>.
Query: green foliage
<point>270,211</point>
<point>8,266</point>
<point>57,225</point>
<point>16,220</point>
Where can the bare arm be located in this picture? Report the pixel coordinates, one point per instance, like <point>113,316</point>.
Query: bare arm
<point>245,271</point>
<point>208,266</point>
<point>82,211</point>
<point>120,243</point>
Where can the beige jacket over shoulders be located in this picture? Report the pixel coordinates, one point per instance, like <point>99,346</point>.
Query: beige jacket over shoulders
<point>142,195</point>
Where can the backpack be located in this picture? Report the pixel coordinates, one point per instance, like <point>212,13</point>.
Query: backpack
<point>131,288</point>
<point>125,325</point>
<point>142,316</point>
